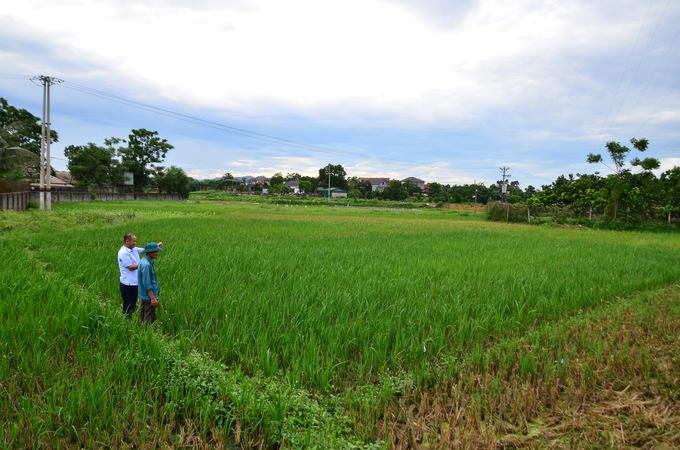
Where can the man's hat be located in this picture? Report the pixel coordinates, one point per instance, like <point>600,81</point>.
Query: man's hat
<point>152,247</point>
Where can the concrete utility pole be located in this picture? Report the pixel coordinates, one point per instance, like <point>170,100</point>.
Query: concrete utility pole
<point>475,197</point>
<point>45,156</point>
<point>504,186</point>
<point>329,182</point>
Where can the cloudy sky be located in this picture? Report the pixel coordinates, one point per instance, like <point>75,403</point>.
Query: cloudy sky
<point>447,91</point>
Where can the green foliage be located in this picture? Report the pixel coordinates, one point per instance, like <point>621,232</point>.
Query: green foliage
<point>172,181</point>
<point>306,186</point>
<point>92,164</point>
<point>144,149</point>
<point>337,176</point>
<point>395,191</point>
<point>14,161</point>
<point>354,193</point>
<point>276,179</point>
<point>279,189</point>
<point>618,154</point>
<point>25,130</point>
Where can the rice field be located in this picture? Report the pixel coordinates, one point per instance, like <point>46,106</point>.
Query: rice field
<point>286,326</point>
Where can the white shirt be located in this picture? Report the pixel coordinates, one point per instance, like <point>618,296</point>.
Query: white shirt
<point>128,257</point>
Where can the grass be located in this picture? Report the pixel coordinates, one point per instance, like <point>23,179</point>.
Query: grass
<point>303,327</point>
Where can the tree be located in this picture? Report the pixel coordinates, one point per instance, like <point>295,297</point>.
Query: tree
<point>395,191</point>
<point>279,189</point>
<point>226,181</point>
<point>670,191</point>
<point>337,175</point>
<point>411,188</point>
<point>173,181</point>
<point>619,184</point>
<point>276,179</point>
<point>26,131</point>
<point>144,150</point>
<point>292,176</point>
<point>14,161</point>
<point>354,193</point>
<point>436,192</point>
<point>618,154</point>
<point>91,164</point>
<point>305,186</point>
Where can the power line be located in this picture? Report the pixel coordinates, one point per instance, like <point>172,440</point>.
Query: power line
<point>652,115</point>
<point>10,76</point>
<point>644,54</point>
<point>251,134</point>
<point>648,81</point>
<point>246,133</point>
<point>604,123</point>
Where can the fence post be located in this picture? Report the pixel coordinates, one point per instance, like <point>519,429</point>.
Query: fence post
<point>528,214</point>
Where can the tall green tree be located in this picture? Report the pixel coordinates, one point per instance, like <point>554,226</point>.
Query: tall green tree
<point>619,184</point>
<point>670,192</point>
<point>144,150</point>
<point>305,186</point>
<point>25,129</point>
<point>91,164</point>
<point>618,154</point>
<point>226,182</point>
<point>411,188</point>
<point>276,179</point>
<point>172,181</point>
<point>395,191</point>
<point>337,176</point>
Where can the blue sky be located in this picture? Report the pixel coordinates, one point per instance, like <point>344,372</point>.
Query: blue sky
<point>444,91</point>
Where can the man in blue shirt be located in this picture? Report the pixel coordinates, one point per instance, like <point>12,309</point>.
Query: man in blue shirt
<point>128,262</point>
<point>148,284</point>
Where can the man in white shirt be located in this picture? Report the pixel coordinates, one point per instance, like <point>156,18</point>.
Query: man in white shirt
<point>128,261</point>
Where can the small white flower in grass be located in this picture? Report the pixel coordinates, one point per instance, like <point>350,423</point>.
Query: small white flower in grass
<point>424,349</point>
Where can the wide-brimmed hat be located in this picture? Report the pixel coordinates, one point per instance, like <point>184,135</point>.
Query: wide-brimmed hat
<point>152,247</point>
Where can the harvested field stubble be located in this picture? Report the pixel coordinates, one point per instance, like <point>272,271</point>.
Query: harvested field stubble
<point>618,392</point>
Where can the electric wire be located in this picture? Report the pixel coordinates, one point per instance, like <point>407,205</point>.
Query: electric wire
<point>644,54</point>
<point>246,133</point>
<point>604,123</point>
<point>646,85</point>
<point>657,108</point>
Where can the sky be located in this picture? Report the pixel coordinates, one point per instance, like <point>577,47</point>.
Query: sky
<point>446,91</point>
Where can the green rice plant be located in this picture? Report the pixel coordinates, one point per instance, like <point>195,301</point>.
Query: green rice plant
<point>337,298</point>
<point>268,313</point>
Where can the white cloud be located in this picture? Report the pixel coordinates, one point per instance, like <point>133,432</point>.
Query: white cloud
<point>668,164</point>
<point>490,81</point>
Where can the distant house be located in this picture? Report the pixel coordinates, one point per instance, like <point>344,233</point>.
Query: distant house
<point>377,184</point>
<point>56,183</point>
<point>294,186</point>
<point>258,181</point>
<point>332,192</point>
<point>417,181</point>
<point>66,177</point>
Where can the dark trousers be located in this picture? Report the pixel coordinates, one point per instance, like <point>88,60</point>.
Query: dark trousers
<point>147,313</point>
<point>129,294</point>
